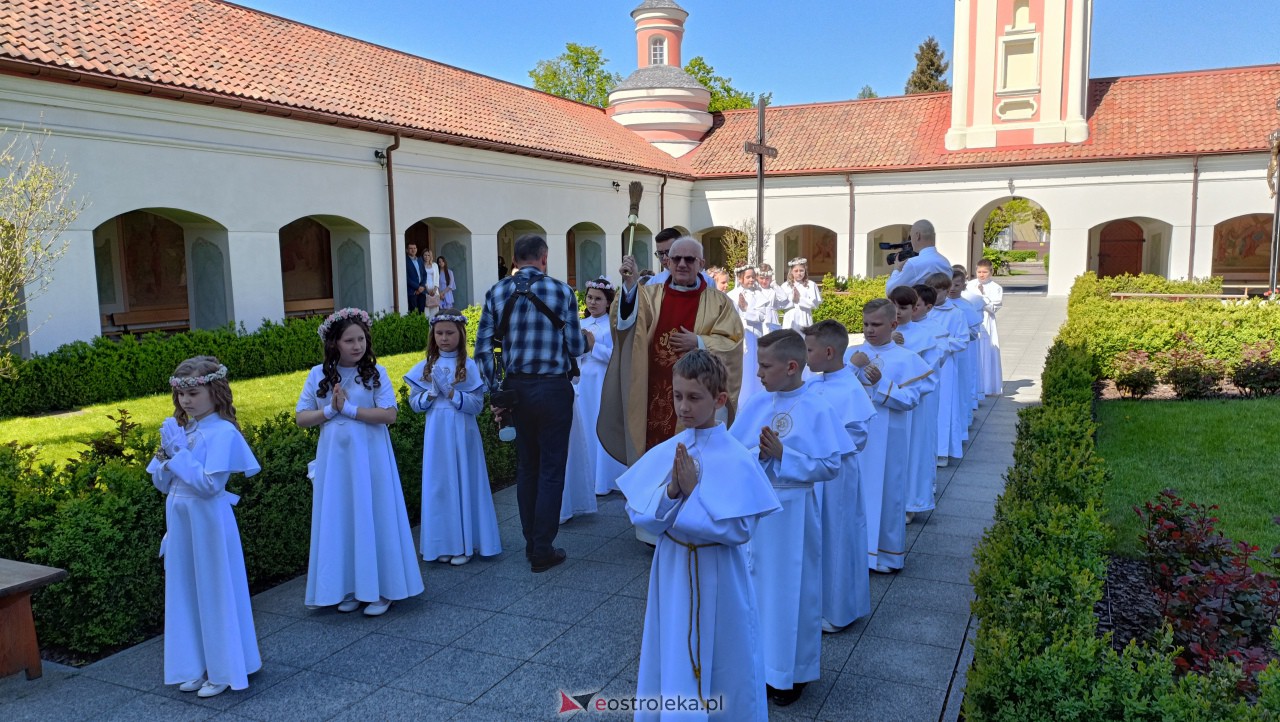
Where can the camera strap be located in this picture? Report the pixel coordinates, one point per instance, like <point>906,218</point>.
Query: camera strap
<point>524,289</point>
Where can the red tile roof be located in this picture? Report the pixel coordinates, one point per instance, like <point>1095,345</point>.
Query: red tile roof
<point>215,52</point>
<point>209,49</point>
<point>1203,112</point>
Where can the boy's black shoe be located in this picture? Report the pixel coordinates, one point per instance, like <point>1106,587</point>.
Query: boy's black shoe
<point>784,697</point>
<point>557,556</point>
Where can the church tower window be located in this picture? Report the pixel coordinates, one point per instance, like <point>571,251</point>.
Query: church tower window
<point>658,51</point>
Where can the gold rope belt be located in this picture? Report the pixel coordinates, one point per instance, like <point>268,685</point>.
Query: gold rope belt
<point>695,612</point>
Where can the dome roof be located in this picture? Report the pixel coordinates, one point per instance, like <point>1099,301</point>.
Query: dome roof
<point>658,76</point>
<point>657,4</point>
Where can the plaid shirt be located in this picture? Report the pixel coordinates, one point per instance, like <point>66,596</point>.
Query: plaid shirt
<point>532,345</point>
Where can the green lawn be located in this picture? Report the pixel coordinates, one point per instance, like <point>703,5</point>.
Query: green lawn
<point>1211,452</point>
<point>59,435</point>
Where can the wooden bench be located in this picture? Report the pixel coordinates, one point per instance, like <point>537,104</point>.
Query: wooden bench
<point>159,319</point>
<point>19,650</point>
<point>308,307</point>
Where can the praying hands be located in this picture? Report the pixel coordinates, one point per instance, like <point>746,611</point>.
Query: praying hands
<point>770,444</point>
<point>684,474</point>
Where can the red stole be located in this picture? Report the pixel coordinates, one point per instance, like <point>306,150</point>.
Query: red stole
<point>679,309</point>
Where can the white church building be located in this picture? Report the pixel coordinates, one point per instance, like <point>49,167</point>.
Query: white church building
<point>238,166</point>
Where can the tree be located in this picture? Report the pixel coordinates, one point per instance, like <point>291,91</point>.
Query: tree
<point>35,210</point>
<point>577,74</point>
<point>931,66</point>
<point>867,92</point>
<point>1013,213</point>
<point>723,95</point>
<point>739,244</point>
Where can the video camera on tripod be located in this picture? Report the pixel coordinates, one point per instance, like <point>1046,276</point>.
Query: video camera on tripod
<point>903,252</point>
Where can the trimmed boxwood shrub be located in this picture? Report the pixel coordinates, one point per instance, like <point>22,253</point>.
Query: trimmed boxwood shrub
<point>843,299</point>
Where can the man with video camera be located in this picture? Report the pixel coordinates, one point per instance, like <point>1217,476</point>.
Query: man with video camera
<point>534,318</point>
<point>924,260</point>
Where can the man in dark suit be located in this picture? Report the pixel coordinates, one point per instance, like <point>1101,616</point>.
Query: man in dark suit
<point>414,275</point>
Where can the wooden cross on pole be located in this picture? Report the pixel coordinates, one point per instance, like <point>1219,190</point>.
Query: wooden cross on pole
<point>760,150</point>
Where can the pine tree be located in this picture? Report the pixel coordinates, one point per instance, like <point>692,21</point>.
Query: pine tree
<point>931,66</point>
<point>867,92</point>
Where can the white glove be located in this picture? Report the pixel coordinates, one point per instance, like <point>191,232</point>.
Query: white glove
<point>442,376</point>
<point>172,438</point>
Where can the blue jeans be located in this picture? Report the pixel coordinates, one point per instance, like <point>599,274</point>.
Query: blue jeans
<point>543,417</point>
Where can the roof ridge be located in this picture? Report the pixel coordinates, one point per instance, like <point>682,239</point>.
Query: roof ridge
<point>819,103</point>
<point>398,51</point>
<point>1228,70</point>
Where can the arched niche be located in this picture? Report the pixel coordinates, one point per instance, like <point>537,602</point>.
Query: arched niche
<point>451,240</point>
<point>643,248</point>
<point>712,240</point>
<point>1130,245</point>
<point>507,235</point>
<point>324,265</point>
<point>584,248</point>
<point>816,244</point>
<point>161,269</point>
<point>1242,248</point>
<point>893,233</point>
<point>1026,227</point>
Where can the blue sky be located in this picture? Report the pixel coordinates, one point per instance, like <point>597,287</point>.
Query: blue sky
<point>801,50</point>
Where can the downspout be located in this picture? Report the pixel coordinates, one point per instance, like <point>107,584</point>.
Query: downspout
<point>391,225</point>
<point>1195,192</point>
<point>848,180</point>
<point>662,204</point>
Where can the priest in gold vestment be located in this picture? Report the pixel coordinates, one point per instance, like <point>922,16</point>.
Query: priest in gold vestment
<point>653,326</point>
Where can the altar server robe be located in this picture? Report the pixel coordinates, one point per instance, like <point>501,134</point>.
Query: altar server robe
<point>990,373</point>
<point>458,517</point>
<point>973,314</point>
<point>208,623</point>
<point>885,462</point>
<point>718,518</point>
<point>926,339</point>
<point>953,409</point>
<point>754,325</point>
<point>602,469</point>
<point>786,550</point>
<point>846,587</point>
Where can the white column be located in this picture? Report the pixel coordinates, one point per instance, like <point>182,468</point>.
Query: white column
<point>257,286</point>
<point>557,255</point>
<point>1068,258</point>
<point>380,262</point>
<point>1204,252</point>
<point>484,265</point>
<point>68,309</point>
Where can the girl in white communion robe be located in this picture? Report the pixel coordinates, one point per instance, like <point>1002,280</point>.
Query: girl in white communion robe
<point>209,639</point>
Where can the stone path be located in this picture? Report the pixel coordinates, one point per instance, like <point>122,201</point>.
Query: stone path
<point>491,641</point>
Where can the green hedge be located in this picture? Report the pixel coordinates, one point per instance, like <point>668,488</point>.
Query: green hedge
<point>1039,572</point>
<point>1104,327</point>
<point>103,370</point>
<point>99,518</point>
<point>843,299</point>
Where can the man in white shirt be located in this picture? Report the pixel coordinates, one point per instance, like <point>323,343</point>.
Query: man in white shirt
<point>927,261</point>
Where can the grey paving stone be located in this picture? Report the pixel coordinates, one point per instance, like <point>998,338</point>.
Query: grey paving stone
<point>960,491</point>
<point>376,658</point>
<point>476,713</point>
<point>880,584</point>
<point>456,674</point>
<point>955,700</point>
<point>505,512</point>
<point>558,604</point>
<point>614,505</point>
<point>305,643</point>
<point>515,566</point>
<point>435,622</point>
<point>488,592</point>
<point>623,549</point>
<point>837,647</point>
<point>147,707</point>
<point>597,576</point>
<point>638,587</point>
<point>270,675</point>
<point>617,612</point>
<point>895,660</point>
<point>265,623</point>
<point>286,599</point>
<point>604,525</point>
<point>398,705</point>
<point>534,689</point>
<point>506,496</point>
<point>72,698</point>
<point>855,698</point>
<point>17,686</point>
<point>944,544</point>
<point>577,545</point>
<point>921,565</point>
<point>929,594</point>
<point>593,649</point>
<point>314,695</point>
<point>331,617</point>
<point>631,672</point>
<point>925,626</point>
<point>981,510</point>
<point>988,481</point>
<point>510,636</point>
<point>810,702</point>
<point>619,688</point>
<point>140,667</point>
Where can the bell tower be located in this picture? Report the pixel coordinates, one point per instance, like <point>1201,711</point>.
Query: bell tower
<point>659,101</point>
<point>1020,73</point>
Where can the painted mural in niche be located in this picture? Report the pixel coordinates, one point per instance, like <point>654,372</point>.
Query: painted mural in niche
<point>815,243</point>
<point>305,265</point>
<point>155,261</point>
<point>1242,245</point>
<point>456,254</point>
<point>209,286</point>
<point>353,286</point>
<point>590,262</point>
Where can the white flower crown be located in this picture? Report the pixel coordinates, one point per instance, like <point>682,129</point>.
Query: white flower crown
<point>798,262</point>
<point>190,382</point>
<point>339,315</point>
<point>448,317</point>
<point>743,269</point>
<point>601,284</point>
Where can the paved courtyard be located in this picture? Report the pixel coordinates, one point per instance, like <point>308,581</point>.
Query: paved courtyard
<point>491,641</point>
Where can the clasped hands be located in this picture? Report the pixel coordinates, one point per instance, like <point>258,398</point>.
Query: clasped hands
<point>172,438</point>
<point>684,474</point>
<point>442,377</point>
<point>770,444</point>
<point>862,361</point>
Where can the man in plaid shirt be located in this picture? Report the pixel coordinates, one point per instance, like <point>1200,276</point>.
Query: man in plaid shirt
<point>538,352</point>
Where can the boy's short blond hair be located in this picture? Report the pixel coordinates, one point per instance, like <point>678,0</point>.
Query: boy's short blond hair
<point>786,344</point>
<point>940,282</point>
<point>705,368</point>
<point>880,305</point>
<point>829,333</point>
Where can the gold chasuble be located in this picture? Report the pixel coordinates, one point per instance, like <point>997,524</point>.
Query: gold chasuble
<point>636,409</point>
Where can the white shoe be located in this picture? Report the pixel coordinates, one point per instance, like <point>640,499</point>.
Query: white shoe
<point>882,569</point>
<point>460,560</point>
<point>444,558</point>
<point>911,516</point>
<point>942,461</point>
<point>212,690</point>
<point>350,604</point>
<point>829,628</point>
<point>191,686</point>
<point>378,608</point>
